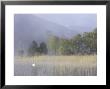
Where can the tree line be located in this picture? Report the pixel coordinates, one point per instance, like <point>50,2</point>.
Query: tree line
<point>81,44</point>
<point>34,49</point>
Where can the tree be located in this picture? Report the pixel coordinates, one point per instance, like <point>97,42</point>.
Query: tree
<point>65,47</point>
<point>90,40</point>
<point>62,47</point>
<point>53,45</point>
<point>33,49</point>
<point>77,44</point>
<point>43,48</point>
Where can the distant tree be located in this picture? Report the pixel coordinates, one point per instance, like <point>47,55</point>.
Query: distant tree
<point>65,47</point>
<point>33,49</point>
<point>90,40</point>
<point>62,47</point>
<point>77,43</point>
<point>61,50</point>
<point>43,48</point>
<point>53,44</point>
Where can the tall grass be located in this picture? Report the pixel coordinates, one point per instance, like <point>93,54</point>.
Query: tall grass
<point>56,66</point>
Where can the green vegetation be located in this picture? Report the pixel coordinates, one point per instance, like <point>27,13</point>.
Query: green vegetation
<point>81,44</point>
<point>34,49</point>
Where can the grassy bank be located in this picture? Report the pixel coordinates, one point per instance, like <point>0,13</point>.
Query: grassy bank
<point>56,65</point>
